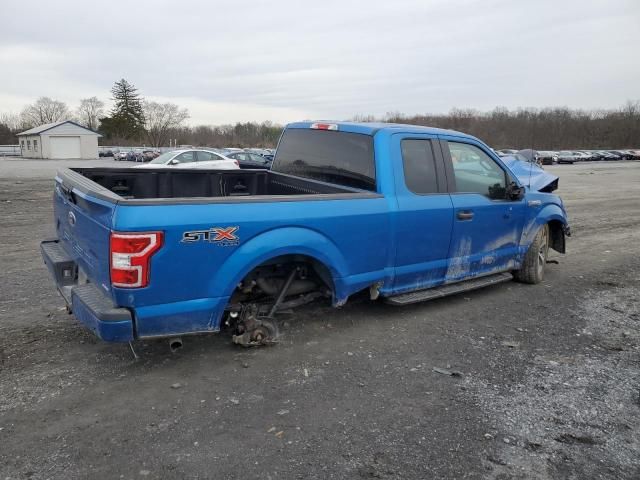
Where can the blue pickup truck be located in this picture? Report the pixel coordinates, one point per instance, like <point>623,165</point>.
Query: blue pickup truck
<point>408,213</point>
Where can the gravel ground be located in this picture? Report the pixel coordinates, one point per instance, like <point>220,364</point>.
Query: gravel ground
<point>549,384</point>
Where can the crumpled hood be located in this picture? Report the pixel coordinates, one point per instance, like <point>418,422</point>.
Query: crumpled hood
<point>530,174</point>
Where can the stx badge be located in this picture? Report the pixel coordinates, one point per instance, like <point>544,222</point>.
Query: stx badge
<point>225,237</point>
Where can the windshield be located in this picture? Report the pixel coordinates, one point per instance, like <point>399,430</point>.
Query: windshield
<point>164,158</point>
<point>328,156</point>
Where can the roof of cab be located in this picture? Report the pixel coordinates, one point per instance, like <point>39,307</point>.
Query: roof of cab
<point>371,128</point>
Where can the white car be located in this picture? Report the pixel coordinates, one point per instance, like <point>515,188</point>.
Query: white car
<point>192,158</point>
<point>120,156</point>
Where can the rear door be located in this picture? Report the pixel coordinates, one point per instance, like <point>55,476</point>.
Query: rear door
<point>258,161</point>
<point>424,219</point>
<point>486,226</point>
<point>83,226</point>
<point>207,159</point>
<point>243,160</point>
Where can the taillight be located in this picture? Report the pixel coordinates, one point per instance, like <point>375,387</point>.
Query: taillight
<point>130,255</point>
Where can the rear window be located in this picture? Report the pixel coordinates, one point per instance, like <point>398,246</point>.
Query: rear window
<point>419,166</point>
<point>329,156</point>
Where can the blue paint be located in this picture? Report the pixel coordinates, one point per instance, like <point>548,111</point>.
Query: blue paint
<point>118,331</point>
<point>403,240</point>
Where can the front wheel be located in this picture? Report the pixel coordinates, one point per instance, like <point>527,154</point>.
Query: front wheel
<point>535,260</point>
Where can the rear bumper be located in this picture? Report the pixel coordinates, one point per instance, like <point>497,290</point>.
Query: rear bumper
<point>87,302</point>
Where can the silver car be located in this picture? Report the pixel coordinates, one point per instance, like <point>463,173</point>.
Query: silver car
<point>192,158</point>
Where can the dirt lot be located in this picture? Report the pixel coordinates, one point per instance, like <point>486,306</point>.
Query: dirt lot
<point>549,386</point>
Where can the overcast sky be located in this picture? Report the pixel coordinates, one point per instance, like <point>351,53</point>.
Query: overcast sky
<point>286,60</point>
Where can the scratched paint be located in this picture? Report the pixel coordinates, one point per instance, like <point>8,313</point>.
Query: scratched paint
<point>460,265</point>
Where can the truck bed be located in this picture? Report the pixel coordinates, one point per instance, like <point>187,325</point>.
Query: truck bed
<point>144,186</point>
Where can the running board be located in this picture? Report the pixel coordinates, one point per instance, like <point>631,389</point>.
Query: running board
<point>448,289</point>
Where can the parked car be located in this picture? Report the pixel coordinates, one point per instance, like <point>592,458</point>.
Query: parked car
<point>610,155</point>
<point>624,155</point>
<point>120,156</point>
<point>195,158</point>
<point>596,155</point>
<point>567,156</point>
<point>529,155</point>
<point>149,155</point>
<point>584,155</point>
<point>250,160</point>
<point>505,151</point>
<point>547,157</point>
<point>346,207</point>
<point>139,154</point>
<point>108,153</point>
<point>581,156</point>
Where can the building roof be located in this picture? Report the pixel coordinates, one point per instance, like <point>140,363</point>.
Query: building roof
<point>48,126</point>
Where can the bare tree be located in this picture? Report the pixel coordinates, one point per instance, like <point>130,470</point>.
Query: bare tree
<point>44,110</point>
<point>161,119</point>
<point>90,111</point>
<point>13,121</point>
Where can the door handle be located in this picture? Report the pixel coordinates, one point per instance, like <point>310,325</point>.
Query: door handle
<point>465,215</point>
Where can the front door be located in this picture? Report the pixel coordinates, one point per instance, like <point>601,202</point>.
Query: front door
<point>486,225</point>
<point>424,218</point>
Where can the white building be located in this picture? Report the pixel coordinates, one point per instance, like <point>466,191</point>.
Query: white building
<point>64,139</point>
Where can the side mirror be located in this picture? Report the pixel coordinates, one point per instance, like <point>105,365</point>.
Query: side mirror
<point>514,192</point>
<point>174,162</point>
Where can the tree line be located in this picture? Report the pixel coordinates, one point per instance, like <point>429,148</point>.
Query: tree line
<point>134,120</point>
<point>557,128</point>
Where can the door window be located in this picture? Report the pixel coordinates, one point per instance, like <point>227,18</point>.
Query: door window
<point>207,156</point>
<point>476,172</point>
<point>419,166</point>
<point>186,157</point>
<point>257,158</point>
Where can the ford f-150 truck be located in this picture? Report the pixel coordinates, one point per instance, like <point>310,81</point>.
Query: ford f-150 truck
<point>409,213</point>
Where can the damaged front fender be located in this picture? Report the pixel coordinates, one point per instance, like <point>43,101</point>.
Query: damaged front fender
<point>559,229</point>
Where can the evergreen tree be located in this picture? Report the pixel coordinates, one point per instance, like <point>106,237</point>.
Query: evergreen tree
<point>127,113</point>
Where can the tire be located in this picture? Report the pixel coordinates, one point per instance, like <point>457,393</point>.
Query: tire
<point>535,260</point>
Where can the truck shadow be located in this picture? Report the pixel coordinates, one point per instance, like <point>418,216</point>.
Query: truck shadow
<point>315,323</point>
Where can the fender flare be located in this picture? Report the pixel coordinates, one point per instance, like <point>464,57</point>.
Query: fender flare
<point>545,215</point>
<point>276,243</point>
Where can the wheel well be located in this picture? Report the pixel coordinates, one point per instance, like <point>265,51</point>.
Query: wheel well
<point>277,268</point>
<point>556,234</point>
<point>318,267</point>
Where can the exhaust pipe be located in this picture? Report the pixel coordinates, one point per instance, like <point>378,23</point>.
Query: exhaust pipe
<point>175,344</point>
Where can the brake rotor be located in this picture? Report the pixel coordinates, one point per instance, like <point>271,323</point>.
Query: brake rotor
<point>264,333</point>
